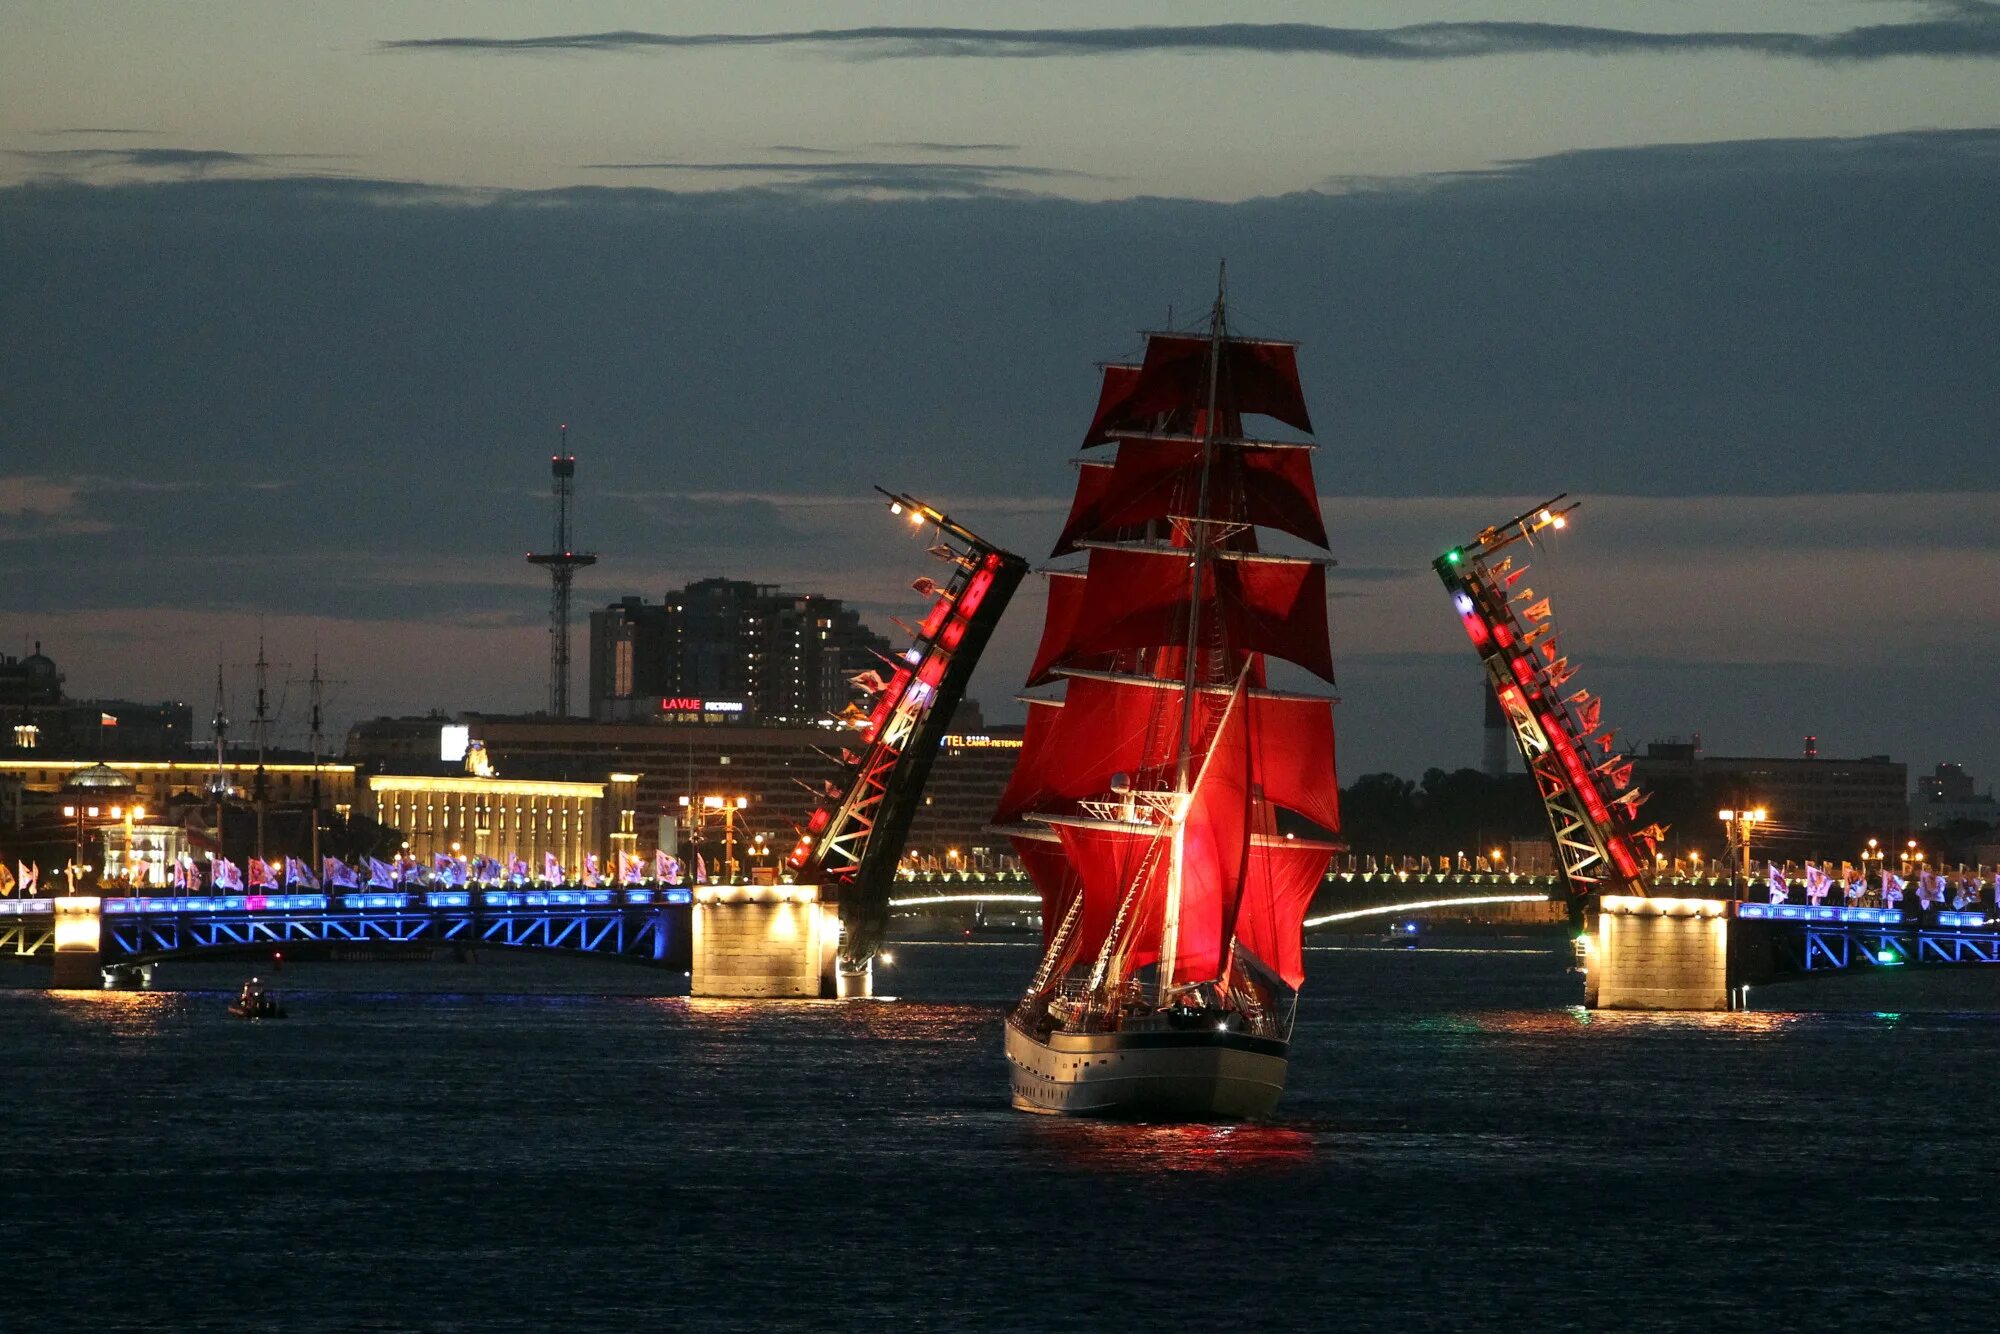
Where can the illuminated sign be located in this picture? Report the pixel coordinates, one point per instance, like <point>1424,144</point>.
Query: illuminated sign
<point>453,741</point>
<point>696,704</point>
<point>976,740</point>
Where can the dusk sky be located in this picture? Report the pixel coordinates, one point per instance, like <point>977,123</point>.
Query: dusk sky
<point>293,298</point>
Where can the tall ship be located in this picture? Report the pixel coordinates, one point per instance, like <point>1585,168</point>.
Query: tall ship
<point>1146,801</point>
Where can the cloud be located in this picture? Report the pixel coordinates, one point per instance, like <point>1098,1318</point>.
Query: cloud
<point>190,161</point>
<point>1950,29</point>
<point>1767,366</point>
<point>95,130</point>
<point>923,178</point>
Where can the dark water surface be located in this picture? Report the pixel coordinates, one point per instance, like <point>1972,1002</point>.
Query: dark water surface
<point>439,1147</point>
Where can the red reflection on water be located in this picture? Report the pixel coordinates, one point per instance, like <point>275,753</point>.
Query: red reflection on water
<point>1109,1146</point>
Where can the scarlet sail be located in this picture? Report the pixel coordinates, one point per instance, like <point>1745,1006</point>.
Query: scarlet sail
<point>1147,799</point>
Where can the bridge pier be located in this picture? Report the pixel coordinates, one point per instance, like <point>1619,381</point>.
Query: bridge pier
<point>763,942</point>
<point>1659,954</point>
<point>79,943</point>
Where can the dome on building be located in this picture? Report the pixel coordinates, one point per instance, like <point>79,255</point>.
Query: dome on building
<point>99,778</point>
<point>39,665</point>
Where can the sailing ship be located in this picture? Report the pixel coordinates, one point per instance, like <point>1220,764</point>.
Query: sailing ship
<point>1146,799</point>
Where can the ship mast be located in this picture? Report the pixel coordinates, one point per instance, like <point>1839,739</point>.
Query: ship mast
<point>1170,923</point>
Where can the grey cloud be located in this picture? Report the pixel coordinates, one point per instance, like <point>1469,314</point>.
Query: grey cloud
<point>194,161</point>
<point>1730,319</point>
<point>95,130</point>
<point>1950,29</point>
<point>930,178</point>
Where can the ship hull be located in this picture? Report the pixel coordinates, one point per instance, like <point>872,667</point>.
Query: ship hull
<point>1171,1075</point>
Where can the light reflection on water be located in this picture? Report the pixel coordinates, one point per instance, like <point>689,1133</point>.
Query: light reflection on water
<point>501,1147</point>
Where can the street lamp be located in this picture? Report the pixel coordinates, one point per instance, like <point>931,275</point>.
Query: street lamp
<point>1737,826</point>
<point>726,807</point>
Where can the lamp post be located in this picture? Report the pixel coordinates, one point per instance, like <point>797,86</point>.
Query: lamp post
<point>726,807</point>
<point>1737,826</point>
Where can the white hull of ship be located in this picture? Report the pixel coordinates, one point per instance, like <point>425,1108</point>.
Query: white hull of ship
<point>1155,1075</point>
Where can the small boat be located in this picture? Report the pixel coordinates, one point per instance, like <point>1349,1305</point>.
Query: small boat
<point>257,1002</point>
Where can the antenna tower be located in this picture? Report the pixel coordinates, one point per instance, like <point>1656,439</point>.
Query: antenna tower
<point>562,562</point>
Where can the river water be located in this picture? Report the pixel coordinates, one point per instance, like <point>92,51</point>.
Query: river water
<point>538,1143</point>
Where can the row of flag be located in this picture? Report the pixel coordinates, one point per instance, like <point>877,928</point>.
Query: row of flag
<point>190,875</point>
<point>1932,889</point>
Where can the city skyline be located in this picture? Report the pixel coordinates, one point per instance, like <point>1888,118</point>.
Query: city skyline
<point>286,350</point>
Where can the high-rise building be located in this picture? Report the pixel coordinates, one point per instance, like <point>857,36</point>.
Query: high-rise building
<point>725,650</point>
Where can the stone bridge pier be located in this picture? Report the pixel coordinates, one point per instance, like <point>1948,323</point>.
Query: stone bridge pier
<point>1660,954</point>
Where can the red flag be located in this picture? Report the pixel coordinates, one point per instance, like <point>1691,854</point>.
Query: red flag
<point>107,719</point>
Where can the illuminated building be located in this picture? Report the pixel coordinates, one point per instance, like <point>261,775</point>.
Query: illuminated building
<point>781,769</point>
<point>506,818</point>
<point>154,782</point>
<point>778,658</point>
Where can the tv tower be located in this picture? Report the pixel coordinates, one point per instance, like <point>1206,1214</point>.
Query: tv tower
<point>562,563</point>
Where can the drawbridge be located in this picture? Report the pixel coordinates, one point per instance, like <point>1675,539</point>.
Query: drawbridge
<point>1650,942</point>
<point>853,845</point>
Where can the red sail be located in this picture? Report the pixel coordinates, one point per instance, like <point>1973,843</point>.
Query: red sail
<point>1032,782</point>
<point>1215,846</point>
<point>1292,744</point>
<point>1130,725</point>
<point>1045,864</point>
<point>1278,887</point>
<point>1139,597</point>
<point>1256,377</point>
<point>1107,860</point>
<point>1256,482</point>
<point>1086,510</point>
<point>1066,591</point>
<point>1112,396</point>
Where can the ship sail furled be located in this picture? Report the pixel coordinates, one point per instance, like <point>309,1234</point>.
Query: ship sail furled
<point>1145,802</point>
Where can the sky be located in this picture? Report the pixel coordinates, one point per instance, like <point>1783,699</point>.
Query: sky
<point>292,300</point>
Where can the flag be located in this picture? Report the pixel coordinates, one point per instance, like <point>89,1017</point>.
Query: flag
<point>631,870</point>
<point>700,869</point>
<point>107,720</point>
<point>1892,888</point>
<point>1538,611</point>
<point>262,874</point>
<point>518,872</point>
<point>552,871</point>
<point>1604,742</point>
<point>442,867</point>
<point>297,873</point>
<point>590,872</point>
<point>27,878</point>
<point>381,875</point>
<point>1776,880</point>
<point>412,872</point>
<point>1817,883</point>
<point>337,874</point>
<point>1632,800</point>
<point>1560,671</point>
<point>1523,595</point>
<point>1618,771</point>
<point>227,875</point>
<point>1588,716</point>
<point>6,880</point>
